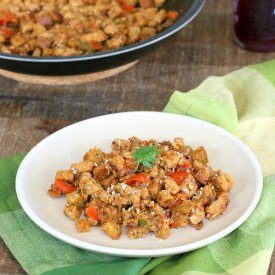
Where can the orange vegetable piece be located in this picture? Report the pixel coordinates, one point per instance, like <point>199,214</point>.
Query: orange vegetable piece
<point>181,173</point>
<point>126,7</point>
<point>172,15</point>
<point>138,179</point>
<point>63,186</point>
<point>92,212</point>
<point>6,17</point>
<point>179,176</point>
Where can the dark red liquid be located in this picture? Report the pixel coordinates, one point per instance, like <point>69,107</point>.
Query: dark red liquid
<point>254,24</point>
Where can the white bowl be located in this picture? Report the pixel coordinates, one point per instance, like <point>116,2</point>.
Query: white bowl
<point>68,145</point>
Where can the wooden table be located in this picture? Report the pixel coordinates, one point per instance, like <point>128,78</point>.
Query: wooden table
<point>28,112</point>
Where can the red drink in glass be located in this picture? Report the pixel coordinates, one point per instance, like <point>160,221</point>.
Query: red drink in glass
<point>254,24</point>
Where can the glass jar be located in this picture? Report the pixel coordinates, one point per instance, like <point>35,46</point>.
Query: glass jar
<point>254,24</point>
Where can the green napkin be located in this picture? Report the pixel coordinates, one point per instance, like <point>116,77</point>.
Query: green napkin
<point>243,102</point>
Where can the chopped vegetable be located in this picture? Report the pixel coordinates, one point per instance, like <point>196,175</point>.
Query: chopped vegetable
<point>172,15</point>
<point>181,173</point>
<point>142,222</point>
<point>6,17</point>
<point>179,176</point>
<point>63,186</point>
<point>83,45</point>
<point>138,179</point>
<point>146,155</point>
<point>92,212</point>
<point>126,7</point>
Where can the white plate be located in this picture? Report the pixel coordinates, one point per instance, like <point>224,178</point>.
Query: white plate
<point>68,145</point>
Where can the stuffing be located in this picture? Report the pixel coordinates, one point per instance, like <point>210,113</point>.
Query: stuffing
<point>146,186</point>
<point>68,28</point>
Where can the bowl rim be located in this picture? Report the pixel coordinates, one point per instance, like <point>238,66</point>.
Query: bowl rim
<point>192,12</point>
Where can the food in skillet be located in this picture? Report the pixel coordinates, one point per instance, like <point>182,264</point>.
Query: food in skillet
<point>146,186</point>
<point>75,27</point>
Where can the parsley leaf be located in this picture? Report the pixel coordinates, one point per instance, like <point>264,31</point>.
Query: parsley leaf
<point>146,155</point>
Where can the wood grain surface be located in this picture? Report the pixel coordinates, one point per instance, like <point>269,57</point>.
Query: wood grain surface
<point>30,112</point>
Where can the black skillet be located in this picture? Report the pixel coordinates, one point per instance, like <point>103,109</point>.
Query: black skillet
<point>89,63</point>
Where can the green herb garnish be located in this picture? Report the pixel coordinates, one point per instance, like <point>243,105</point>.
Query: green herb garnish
<point>146,155</point>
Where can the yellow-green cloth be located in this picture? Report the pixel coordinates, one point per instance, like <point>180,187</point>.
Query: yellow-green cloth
<point>243,102</point>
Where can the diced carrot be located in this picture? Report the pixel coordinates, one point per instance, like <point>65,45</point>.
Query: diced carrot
<point>181,173</point>
<point>126,7</point>
<point>138,179</point>
<point>172,15</point>
<point>64,187</point>
<point>92,212</point>
<point>6,17</point>
<point>179,176</point>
